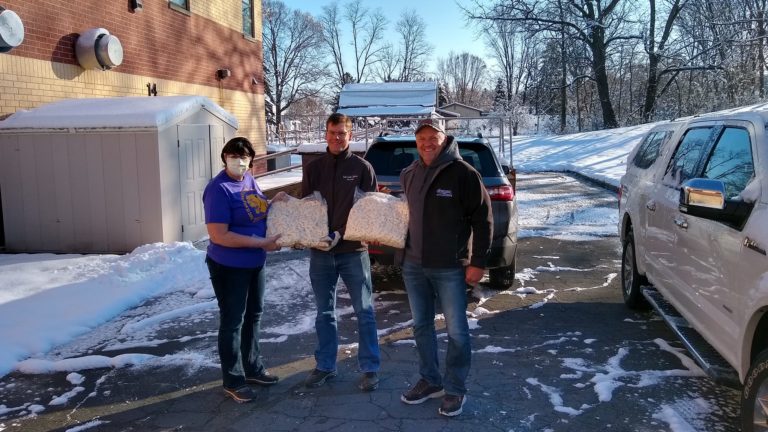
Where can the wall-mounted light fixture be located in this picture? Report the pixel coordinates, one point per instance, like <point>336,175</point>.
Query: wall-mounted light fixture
<point>223,73</point>
<point>11,30</point>
<point>97,49</point>
<point>137,5</point>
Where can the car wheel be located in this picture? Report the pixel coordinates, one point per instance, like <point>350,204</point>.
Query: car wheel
<point>631,281</point>
<point>754,396</point>
<point>502,277</point>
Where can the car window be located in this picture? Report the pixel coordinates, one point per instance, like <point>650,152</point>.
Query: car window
<point>389,160</point>
<point>731,161</point>
<point>683,164</point>
<point>649,150</point>
<point>481,159</point>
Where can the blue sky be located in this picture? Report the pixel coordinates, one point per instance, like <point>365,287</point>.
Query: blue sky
<point>446,26</point>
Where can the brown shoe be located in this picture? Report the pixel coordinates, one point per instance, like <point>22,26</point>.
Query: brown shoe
<point>369,381</point>
<point>452,405</point>
<point>317,378</point>
<point>421,392</point>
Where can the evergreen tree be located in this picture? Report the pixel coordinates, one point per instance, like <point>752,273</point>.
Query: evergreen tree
<point>500,101</point>
<point>442,95</point>
<point>346,79</point>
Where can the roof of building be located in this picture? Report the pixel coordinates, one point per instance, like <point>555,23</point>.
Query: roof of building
<point>452,104</point>
<point>136,112</point>
<point>388,99</point>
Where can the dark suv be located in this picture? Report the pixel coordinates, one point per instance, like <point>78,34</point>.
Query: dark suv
<point>390,154</point>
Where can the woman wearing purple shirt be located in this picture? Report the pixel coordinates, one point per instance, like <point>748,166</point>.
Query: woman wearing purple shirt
<point>236,218</point>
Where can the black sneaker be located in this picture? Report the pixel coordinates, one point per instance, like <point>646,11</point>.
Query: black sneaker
<point>241,394</point>
<point>369,381</point>
<point>317,378</point>
<point>421,392</point>
<point>452,405</point>
<point>262,379</point>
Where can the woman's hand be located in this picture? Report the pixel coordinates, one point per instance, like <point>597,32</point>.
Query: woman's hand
<point>221,235</point>
<point>269,244</point>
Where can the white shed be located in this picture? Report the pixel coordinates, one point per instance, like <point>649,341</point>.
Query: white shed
<point>109,174</point>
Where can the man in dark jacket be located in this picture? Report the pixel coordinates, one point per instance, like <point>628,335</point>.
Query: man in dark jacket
<point>336,175</point>
<point>447,202</point>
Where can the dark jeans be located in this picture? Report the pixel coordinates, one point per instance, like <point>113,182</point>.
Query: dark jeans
<point>240,294</point>
<point>425,286</point>
<point>354,268</point>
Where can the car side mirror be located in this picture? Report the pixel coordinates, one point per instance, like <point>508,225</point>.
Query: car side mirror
<point>706,193</point>
<point>705,198</point>
<point>505,169</point>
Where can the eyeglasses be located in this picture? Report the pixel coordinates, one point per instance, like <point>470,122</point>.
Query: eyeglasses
<point>337,134</point>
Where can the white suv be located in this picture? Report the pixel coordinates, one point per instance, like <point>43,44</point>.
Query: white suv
<point>694,226</point>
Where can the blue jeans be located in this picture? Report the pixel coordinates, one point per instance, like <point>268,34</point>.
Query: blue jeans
<point>240,295</point>
<point>355,270</point>
<point>425,286</point>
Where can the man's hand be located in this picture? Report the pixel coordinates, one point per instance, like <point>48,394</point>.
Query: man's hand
<point>330,241</point>
<point>472,275</point>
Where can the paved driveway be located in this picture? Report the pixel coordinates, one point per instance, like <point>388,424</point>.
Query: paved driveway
<point>557,351</point>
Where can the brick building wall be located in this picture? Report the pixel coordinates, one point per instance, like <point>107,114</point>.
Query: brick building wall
<point>177,52</point>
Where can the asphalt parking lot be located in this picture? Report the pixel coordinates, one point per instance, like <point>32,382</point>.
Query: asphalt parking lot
<point>557,351</point>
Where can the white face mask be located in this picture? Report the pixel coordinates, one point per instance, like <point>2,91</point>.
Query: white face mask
<point>237,166</point>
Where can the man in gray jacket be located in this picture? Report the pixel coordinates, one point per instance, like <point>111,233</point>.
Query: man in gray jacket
<point>447,202</point>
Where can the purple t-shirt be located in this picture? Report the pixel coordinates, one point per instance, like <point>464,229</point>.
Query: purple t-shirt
<point>242,206</point>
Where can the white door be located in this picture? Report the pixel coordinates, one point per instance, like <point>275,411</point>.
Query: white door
<point>663,215</point>
<point>716,269</point>
<point>194,172</point>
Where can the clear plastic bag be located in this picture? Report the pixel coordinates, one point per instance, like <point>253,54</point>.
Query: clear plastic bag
<point>378,217</point>
<point>300,222</point>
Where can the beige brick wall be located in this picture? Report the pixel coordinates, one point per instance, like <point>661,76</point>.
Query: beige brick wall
<point>26,83</point>
<point>227,13</point>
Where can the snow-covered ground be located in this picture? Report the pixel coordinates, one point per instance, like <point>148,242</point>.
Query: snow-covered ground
<point>49,301</point>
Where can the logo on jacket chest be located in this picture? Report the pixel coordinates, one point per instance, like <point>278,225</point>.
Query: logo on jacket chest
<point>350,178</point>
<point>444,193</point>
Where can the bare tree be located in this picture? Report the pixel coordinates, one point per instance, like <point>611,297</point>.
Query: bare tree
<point>414,48</point>
<point>512,48</point>
<point>758,9</point>
<point>388,65</point>
<point>464,75</point>
<point>366,29</point>
<point>655,50</point>
<point>596,23</point>
<point>293,67</point>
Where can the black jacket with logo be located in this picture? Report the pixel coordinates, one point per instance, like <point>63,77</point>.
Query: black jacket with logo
<point>454,204</point>
<point>337,177</point>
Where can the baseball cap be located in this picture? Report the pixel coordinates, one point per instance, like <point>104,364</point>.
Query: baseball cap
<point>435,123</point>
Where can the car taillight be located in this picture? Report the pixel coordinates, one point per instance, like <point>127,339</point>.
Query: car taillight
<point>501,193</point>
